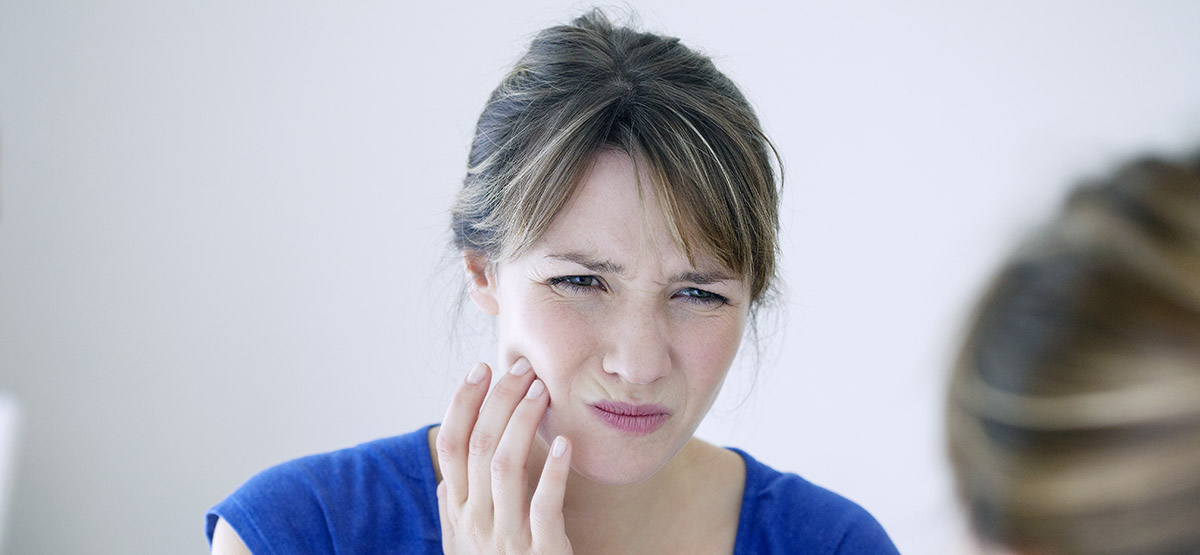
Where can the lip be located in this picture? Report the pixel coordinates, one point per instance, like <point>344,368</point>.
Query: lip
<point>630,419</point>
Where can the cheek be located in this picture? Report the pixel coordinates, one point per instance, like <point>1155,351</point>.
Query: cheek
<point>555,336</point>
<point>707,348</point>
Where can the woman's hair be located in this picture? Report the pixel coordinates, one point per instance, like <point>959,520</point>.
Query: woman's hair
<point>590,86</point>
<point>1073,414</point>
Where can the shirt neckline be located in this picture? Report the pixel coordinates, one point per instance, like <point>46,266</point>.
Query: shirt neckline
<point>745,515</point>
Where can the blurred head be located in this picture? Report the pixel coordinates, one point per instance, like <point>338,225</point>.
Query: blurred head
<point>619,219</point>
<point>1073,414</point>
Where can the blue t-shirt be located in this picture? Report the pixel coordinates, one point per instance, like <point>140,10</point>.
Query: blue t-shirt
<point>381,497</point>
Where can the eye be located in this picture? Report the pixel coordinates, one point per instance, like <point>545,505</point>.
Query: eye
<point>577,283</point>
<point>700,296</point>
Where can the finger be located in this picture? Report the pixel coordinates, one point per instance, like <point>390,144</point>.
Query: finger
<point>510,492</point>
<point>489,428</point>
<point>444,518</point>
<point>546,507</point>
<point>455,433</point>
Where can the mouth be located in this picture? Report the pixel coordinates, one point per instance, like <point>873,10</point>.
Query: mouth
<point>634,420</point>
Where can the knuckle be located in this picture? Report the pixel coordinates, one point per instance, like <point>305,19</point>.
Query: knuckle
<point>462,397</point>
<point>446,444</point>
<point>541,512</point>
<point>505,388</point>
<point>482,443</point>
<point>502,465</point>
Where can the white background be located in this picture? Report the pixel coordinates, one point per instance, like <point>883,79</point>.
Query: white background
<point>223,227</point>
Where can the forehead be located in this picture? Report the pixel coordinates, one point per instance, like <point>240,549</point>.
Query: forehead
<point>612,207</point>
<point>613,186</point>
<point>613,211</point>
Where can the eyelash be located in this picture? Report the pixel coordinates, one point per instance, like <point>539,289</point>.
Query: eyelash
<point>690,294</point>
<point>707,298</point>
<point>567,282</point>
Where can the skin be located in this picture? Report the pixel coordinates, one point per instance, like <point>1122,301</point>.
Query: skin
<point>603,306</point>
<point>226,540</point>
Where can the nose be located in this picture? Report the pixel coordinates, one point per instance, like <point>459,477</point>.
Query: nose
<point>639,349</point>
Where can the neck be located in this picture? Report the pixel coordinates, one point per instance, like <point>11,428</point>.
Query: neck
<point>603,517</point>
<point>646,516</point>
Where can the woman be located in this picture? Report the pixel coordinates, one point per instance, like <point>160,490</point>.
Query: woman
<point>618,220</point>
<point>1074,408</point>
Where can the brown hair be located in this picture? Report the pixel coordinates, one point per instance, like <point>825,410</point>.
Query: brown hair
<point>1073,414</point>
<point>591,85</point>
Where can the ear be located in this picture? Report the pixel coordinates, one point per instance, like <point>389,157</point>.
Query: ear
<point>481,282</point>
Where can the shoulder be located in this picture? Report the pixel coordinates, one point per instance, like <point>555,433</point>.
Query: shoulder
<point>784,513</point>
<point>375,494</point>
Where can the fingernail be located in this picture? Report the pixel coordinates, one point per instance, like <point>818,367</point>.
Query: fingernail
<point>476,374</point>
<point>560,445</point>
<point>522,366</point>
<point>535,390</point>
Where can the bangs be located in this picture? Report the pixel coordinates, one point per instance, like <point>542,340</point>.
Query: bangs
<point>713,183</point>
<point>587,87</point>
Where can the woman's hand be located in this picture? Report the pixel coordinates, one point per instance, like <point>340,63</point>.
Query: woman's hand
<point>483,499</point>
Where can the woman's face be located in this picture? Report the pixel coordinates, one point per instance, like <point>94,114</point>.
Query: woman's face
<point>631,340</point>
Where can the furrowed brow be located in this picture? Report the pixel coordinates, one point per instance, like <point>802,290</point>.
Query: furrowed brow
<point>701,278</point>
<point>593,265</point>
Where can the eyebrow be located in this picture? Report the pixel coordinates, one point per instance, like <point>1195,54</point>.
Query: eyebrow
<point>701,278</point>
<point>593,265</point>
<point>610,267</point>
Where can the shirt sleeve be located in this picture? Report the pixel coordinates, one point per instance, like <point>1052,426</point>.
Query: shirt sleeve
<point>378,497</point>
<point>277,511</point>
<point>784,513</point>
<point>865,536</point>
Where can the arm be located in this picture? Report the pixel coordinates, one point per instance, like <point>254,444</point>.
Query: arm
<point>226,540</point>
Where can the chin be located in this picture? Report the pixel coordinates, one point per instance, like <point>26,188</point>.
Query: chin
<point>615,460</point>
<point>614,469</point>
